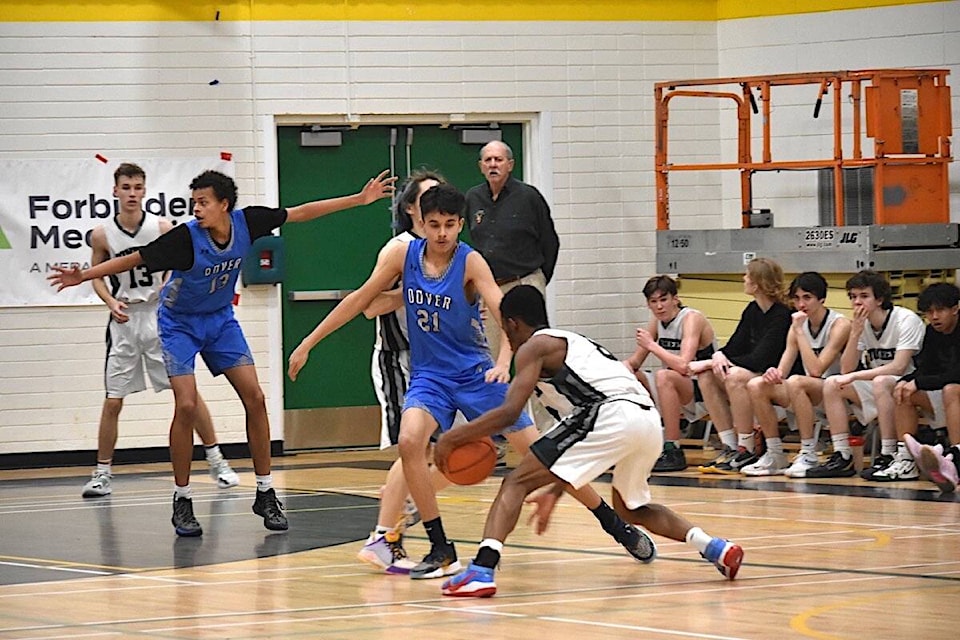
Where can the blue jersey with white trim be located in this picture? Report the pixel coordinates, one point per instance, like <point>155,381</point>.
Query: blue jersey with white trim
<point>444,328</point>
<point>210,283</point>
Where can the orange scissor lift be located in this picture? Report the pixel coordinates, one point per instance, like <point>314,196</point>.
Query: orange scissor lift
<point>904,227</point>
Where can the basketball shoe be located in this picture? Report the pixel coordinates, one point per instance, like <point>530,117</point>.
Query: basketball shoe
<point>725,457</point>
<point>637,543</point>
<point>98,485</point>
<point>268,506</point>
<point>183,520</point>
<point>725,556</point>
<point>769,464</point>
<point>441,561</point>
<point>224,475</point>
<point>476,582</point>
<point>386,552</point>
<point>933,465</point>
<point>804,461</point>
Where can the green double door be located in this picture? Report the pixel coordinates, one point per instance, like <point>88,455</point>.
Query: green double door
<point>332,403</point>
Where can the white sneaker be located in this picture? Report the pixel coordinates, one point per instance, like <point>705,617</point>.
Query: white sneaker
<point>98,486</point>
<point>902,468</point>
<point>224,475</point>
<point>769,464</point>
<point>803,461</point>
<point>386,552</point>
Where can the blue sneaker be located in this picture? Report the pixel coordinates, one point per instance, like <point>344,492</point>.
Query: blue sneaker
<point>725,556</point>
<point>475,582</point>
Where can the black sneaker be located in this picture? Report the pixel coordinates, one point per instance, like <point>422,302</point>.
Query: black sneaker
<point>738,462</point>
<point>637,543</point>
<point>725,456</point>
<point>672,459</point>
<point>183,521</point>
<point>880,463</point>
<point>441,561</point>
<point>270,509</point>
<point>836,466</point>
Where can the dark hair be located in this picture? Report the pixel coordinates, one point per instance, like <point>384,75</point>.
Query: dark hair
<point>525,303</point>
<point>224,188</point>
<point>940,295</point>
<point>409,192</point>
<point>128,170</point>
<point>664,284</point>
<point>869,279</point>
<point>812,282</point>
<point>442,198</point>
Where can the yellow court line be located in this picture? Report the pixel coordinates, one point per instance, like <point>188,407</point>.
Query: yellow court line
<point>420,10</point>
<point>43,563</point>
<point>799,622</point>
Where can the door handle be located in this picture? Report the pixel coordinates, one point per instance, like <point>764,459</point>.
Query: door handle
<point>311,296</point>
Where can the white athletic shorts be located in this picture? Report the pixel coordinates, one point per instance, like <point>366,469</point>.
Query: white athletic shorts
<point>623,433</point>
<point>867,411</point>
<point>133,346</point>
<point>692,411</point>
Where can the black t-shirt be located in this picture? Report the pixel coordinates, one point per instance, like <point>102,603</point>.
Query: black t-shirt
<point>174,249</point>
<point>938,362</point>
<point>760,337</point>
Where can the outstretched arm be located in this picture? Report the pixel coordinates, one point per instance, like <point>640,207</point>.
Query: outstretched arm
<point>348,308</point>
<point>64,277</point>
<point>376,188</point>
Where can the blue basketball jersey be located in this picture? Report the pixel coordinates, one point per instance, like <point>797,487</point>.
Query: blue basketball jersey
<point>444,329</point>
<point>210,284</point>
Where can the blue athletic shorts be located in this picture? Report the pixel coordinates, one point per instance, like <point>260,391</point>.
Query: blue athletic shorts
<point>442,398</point>
<point>216,336</point>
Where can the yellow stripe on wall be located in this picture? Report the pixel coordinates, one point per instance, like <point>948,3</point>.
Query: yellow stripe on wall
<point>413,10</point>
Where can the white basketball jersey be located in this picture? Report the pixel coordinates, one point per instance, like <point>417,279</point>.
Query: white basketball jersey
<point>670,336</point>
<point>138,284</point>
<point>819,341</point>
<point>903,329</point>
<point>392,327</point>
<point>590,375</point>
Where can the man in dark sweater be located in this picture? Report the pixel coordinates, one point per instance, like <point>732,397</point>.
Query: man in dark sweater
<point>511,227</point>
<point>933,389</point>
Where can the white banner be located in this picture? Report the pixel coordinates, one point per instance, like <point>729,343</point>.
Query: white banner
<point>48,208</point>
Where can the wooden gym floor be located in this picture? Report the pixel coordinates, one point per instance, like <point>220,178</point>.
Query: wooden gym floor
<point>824,559</point>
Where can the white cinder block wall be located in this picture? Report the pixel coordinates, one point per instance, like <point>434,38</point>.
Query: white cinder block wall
<point>137,90</point>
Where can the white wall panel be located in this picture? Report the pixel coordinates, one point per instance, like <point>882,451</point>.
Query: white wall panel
<point>140,90</point>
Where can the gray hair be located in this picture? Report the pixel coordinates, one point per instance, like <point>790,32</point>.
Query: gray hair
<point>501,143</point>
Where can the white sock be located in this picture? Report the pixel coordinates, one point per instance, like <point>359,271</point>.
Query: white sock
<point>214,457</point>
<point>808,445</point>
<point>775,445</point>
<point>104,467</point>
<point>698,539</point>
<point>746,440</point>
<point>728,438</point>
<point>902,452</point>
<point>182,492</point>
<point>496,545</point>
<point>841,443</point>
<point>265,483</point>
<point>888,446</point>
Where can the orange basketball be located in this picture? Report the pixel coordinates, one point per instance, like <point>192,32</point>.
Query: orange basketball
<point>472,462</point>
